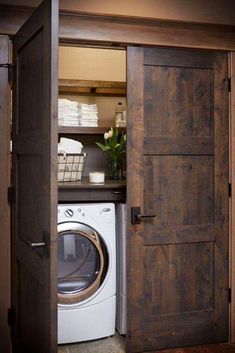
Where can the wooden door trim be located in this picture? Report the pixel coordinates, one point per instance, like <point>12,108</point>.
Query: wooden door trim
<point>232,199</point>
<point>5,277</point>
<point>135,127</point>
<point>117,29</point>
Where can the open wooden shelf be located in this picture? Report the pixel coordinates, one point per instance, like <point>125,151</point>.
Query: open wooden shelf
<point>103,88</point>
<point>85,184</point>
<point>79,191</point>
<point>86,130</point>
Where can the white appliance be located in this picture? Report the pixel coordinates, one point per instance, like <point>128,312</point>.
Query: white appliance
<point>121,316</point>
<point>86,272</point>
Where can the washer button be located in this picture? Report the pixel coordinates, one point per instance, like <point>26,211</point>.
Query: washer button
<point>69,213</point>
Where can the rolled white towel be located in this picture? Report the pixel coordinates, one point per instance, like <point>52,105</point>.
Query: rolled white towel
<point>69,146</point>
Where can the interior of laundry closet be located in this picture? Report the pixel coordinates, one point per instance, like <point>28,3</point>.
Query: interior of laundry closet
<point>93,78</point>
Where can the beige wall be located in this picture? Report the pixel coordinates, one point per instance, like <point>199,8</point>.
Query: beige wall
<point>211,11</point>
<point>92,64</point>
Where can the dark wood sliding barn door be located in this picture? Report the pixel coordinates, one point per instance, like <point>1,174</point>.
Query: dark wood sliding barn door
<point>177,170</point>
<point>34,290</point>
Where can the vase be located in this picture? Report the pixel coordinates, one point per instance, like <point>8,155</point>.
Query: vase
<point>115,169</point>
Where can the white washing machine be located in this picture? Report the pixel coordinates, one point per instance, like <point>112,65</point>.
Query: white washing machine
<point>86,272</point>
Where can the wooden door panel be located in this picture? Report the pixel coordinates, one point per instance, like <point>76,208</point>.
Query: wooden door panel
<point>30,62</point>
<point>31,320</point>
<point>179,189</point>
<point>178,102</point>
<point>178,158</point>
<point>34,211</point>
<point>178,58</point>
<point>186,281</point>
<point>156,235</point>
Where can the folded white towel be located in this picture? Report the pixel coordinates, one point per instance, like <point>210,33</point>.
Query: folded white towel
<point>69,146</point>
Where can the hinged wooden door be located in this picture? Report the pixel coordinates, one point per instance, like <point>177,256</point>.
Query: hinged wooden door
<point>5,292</point>
<point>177,170</point>
<point>34,224</point>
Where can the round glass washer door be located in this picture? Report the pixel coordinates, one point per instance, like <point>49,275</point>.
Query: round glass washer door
<point>82,262</point>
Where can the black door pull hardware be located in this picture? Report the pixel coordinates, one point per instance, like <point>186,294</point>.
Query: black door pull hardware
<point>45,244</point>
<point>38,245</point>
<point>136,215</point>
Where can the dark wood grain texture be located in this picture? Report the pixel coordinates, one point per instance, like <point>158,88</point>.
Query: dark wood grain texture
<point>35,92</point>
<point>135,128</point>
<point>221,202</point>
<point>110,191</point>
<point>232,200</point>
<point>210,348</point>
<point>118,29</point>
<point>183,161</point>
<point>5,274</point>
<point>96,88</point>
<point>83,130</point>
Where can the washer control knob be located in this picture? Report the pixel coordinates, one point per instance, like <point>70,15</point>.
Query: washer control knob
<point>69,213</point>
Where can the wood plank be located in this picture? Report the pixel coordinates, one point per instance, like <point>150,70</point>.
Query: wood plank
<point>178,145</point>
<point>178,103</point>
<point>160,235</point>
<point>232,200</point>
<point>185,58</point>
<point>85,184</point>
<point>106,88</point>
<point>221,210</point>
<point>128,29</point>
<point>111,190</point>
<point>135,128</point>
<point>82,130</point>
<point>210,348</point>
<point>5,268</point>
<point>123,30</point>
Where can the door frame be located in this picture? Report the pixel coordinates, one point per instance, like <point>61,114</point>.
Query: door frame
<point>5,240</point>
<point>79,28</point>
<point>231,67</point>
<point>232,198</point>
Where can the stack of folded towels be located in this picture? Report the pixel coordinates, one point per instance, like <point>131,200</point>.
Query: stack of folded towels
<point>68,113</point>
<point>88,114</point>
<point>71,113</point>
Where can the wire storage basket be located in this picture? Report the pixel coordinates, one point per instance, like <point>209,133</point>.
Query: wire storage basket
<point>71,166</point>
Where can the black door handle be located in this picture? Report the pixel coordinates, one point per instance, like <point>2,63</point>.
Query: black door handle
<point>140,216</point>
<point>136,215</point>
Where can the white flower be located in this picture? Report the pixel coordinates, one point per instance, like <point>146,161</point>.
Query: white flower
<point>106,135</point>
<point>110,133</point>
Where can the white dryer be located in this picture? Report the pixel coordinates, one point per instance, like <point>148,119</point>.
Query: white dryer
<point>86,272</point>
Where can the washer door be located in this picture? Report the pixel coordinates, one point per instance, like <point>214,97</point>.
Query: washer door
<point>82,262</point>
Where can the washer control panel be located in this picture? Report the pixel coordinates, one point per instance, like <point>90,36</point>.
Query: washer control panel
<point>86,212</point>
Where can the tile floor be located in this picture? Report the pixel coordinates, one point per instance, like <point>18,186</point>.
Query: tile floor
<point>115,344</point>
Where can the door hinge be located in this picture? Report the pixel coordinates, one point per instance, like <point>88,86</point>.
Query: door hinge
<point>229,189</point>
<point>229,295</point>
<point>10,71</point>
<point>11,316</point>
<point>11,195</point>
<point>229,84</point>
